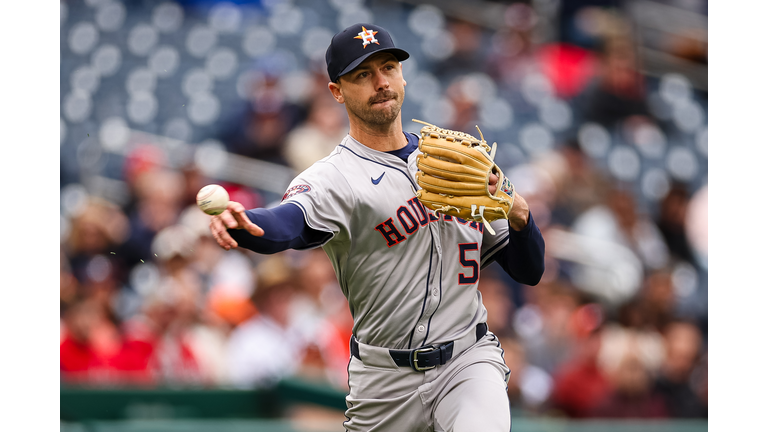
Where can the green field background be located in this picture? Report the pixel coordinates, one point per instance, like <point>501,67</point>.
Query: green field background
<point>267,410</point>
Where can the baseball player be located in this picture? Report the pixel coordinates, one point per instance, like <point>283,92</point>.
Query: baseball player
<point>423,358</point>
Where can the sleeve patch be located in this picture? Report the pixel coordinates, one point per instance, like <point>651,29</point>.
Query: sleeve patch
<point>295,190</point>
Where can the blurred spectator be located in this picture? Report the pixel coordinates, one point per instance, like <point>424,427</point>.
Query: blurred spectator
<point>619,91</point>
<point>314,139</point>
<point>89,345</point>
<point>231,283</point>
<point>207,340</point>
<point>322,314</point>
<point>93,273</point>
<point>142,158</point>
<point>227,283</point>
<point>101,285</point>
<point>268,346</point>
<point>261,129</point>
<point>671,223</point>
<point>98,229</point>
<point>468,51</point>
<point>156,349</point>
<point>463,97</point>
<point>159,194</point>
<point>580,188</point>
<point>512,50</point>
<point>630,357</point>
<point>682,341</point>
<point>156,345</point>
<point>632,395</point>
<point>206,252</point>
<point>537,179</point>
<point>580,385</point>
<point>654,306</point>
<point>224,303</point>
<point>544,324</point>
<point>173,250</point>
<point>620,339</point>
<point>182,284</point>
<point>618,220</point>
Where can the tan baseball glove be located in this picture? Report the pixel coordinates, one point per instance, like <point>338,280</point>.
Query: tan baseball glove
<point>454,170</point>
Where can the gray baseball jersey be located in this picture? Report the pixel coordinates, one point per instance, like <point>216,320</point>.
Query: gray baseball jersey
<point>410,276</point>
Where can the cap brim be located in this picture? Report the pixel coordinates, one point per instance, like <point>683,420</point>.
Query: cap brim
<point>399,54</point>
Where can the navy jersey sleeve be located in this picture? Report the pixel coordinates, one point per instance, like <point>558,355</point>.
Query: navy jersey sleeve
<point>523,257</point>
<point>284,228</point>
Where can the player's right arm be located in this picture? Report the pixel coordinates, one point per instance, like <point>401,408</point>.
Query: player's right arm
<point>316,207</point>
<point>265,231</point>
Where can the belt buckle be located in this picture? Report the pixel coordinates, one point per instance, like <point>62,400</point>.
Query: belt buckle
<point>415,361</point>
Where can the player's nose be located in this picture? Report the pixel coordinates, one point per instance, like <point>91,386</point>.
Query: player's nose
<point>380,81</point>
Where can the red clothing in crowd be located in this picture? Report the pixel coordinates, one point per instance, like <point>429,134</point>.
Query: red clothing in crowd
<point>579,389</point>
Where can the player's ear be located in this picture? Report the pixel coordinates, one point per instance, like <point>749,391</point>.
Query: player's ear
<point>336,92</point>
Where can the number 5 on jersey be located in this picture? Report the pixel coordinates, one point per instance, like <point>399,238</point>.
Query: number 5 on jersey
<point>464,279</point>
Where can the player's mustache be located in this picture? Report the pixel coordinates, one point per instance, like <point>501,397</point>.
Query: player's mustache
<point>383,96</point>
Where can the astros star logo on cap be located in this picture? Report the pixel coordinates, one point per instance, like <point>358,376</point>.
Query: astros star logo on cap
<point>367,36</point>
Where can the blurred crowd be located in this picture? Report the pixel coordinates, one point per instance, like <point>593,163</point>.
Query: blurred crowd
<point>616,328</point>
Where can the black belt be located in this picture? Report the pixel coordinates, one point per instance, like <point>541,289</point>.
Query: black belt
<point>422,358</point>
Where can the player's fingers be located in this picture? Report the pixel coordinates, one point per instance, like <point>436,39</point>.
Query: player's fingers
<point>493,180</point>
<point>234,216</point>
<point>216,233</point>
<point>220,234</point>
<point>245,222</point>
<point>228,220</point>
<point>254,229</point>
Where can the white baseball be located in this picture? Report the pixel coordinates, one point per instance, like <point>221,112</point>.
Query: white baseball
<point>212,199</point>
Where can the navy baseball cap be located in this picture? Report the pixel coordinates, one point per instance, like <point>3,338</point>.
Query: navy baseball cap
<point>356,43</point>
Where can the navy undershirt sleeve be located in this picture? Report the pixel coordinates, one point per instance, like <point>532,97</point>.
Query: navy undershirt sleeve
<point>523,257</point>
<point>284,228</point>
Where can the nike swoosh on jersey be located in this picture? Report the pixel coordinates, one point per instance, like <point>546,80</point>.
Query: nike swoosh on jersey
<point>376,181</point>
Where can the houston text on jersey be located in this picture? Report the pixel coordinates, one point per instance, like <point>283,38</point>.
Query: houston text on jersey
<point>413,216</point>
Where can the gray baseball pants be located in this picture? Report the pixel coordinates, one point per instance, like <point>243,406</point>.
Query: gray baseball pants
<point>468,393</point>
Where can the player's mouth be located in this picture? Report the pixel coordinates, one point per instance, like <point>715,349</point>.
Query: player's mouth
<point>382,101</point>
<point>386,97</point>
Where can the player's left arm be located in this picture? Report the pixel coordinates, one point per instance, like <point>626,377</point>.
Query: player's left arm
<point>523,257</point>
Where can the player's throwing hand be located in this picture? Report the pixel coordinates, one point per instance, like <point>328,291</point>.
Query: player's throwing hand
<point>233,217</point>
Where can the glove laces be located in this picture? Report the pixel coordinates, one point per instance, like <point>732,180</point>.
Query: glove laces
<point>477,215</point>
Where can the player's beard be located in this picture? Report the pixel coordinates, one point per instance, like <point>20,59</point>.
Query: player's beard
<point>378,116</point>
